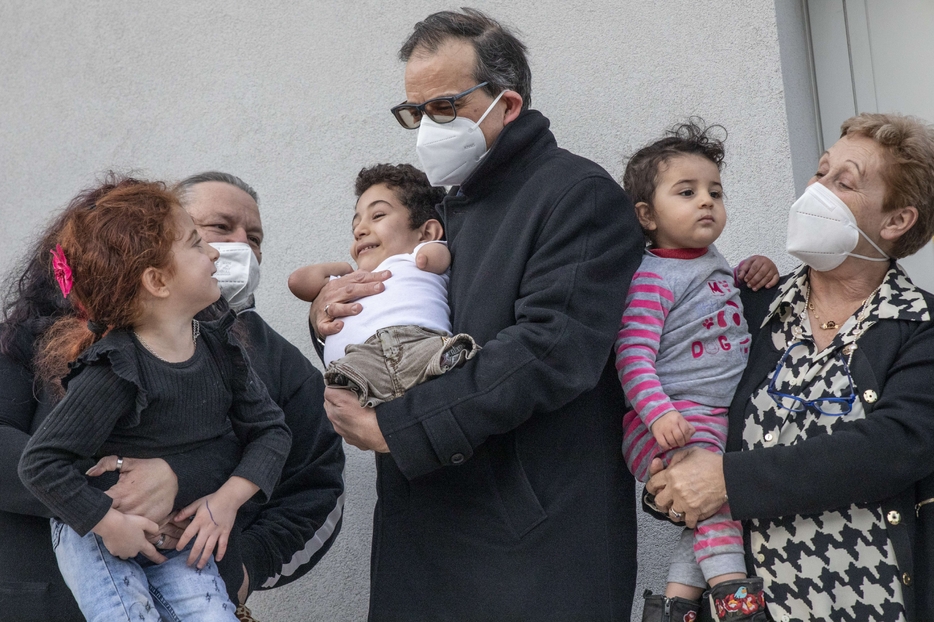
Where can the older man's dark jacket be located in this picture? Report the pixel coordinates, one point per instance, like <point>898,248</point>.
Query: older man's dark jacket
<point>505,496</point>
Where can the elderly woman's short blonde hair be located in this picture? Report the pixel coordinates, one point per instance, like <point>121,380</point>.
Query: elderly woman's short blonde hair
<point>908,172</point>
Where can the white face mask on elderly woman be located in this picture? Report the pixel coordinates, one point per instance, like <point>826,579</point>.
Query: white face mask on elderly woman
<point>450,152</point>
<point>822,231</point>
<point>237,273</point>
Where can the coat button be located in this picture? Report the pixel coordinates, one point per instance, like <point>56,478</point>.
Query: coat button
<point>761,558</point>
<point>769,437</point>
<point>870,396</point>
<point>457,458</point>
<point>906,578</point>
<point>894,517</point>
<point>848,350</point>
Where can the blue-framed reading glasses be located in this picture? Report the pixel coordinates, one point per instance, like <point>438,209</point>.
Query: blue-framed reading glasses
<point>830,406</point>
<point>439,109</point>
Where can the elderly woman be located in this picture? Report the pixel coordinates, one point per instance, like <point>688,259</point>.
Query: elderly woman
<point>831,442</point>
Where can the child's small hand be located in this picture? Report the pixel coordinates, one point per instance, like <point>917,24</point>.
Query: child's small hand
<point>214,517</point>
<point>672,430</point>
<point>756,272</point>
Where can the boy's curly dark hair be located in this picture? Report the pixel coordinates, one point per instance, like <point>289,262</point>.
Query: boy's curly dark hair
<point>410,185</point>
<point>692,137</point>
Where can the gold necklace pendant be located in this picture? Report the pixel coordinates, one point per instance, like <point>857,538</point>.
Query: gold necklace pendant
<point>864,310</point>
<point>828,325</point>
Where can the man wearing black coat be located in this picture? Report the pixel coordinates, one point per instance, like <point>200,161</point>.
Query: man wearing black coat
<point>502,490</point>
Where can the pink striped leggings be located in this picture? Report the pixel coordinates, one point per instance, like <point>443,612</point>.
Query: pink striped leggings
<point>716,545</point>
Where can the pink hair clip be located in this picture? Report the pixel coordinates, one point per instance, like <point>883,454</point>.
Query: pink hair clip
<point>62,270</point>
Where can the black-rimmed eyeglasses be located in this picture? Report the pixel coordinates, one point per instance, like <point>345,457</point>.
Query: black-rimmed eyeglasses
<point>439,110</point>
<point>830,406</point>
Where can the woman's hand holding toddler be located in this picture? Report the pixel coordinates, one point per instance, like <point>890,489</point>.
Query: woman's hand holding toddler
<point>125,535</point>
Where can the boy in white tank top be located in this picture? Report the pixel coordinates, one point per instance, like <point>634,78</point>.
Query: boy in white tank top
<point>403,335</point>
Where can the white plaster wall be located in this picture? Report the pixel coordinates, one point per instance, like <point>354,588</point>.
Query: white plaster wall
<point>294,98</point>
<point>800,95</point>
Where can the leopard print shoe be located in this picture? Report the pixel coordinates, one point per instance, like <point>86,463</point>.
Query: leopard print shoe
<point>244,614</point>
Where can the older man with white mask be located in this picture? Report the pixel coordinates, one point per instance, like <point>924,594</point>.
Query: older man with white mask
<point>502,490</point>
<point>283,539</point>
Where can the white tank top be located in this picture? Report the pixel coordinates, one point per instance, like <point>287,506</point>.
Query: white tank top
<point>412,297</point>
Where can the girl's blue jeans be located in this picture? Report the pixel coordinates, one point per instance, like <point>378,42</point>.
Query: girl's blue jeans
<point>110,589</point>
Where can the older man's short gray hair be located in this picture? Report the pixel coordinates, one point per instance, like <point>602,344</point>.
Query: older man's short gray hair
<point>183,187</point>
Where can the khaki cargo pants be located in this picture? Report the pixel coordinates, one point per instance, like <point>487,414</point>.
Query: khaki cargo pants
<point>396,359</point>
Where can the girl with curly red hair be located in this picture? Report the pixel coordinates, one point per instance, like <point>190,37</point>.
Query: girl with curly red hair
<point>143,378</point>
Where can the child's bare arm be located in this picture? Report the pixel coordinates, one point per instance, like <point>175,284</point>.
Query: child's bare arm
<point>672,430</point>
<point>757,271</point>
<point>306,282</point>
<point>214,517</point>
<point>434,258</point>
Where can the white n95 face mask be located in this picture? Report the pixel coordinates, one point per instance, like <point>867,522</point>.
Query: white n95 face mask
<point>822,231</point>
<point>450,152</point>
<point>237,273</point>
